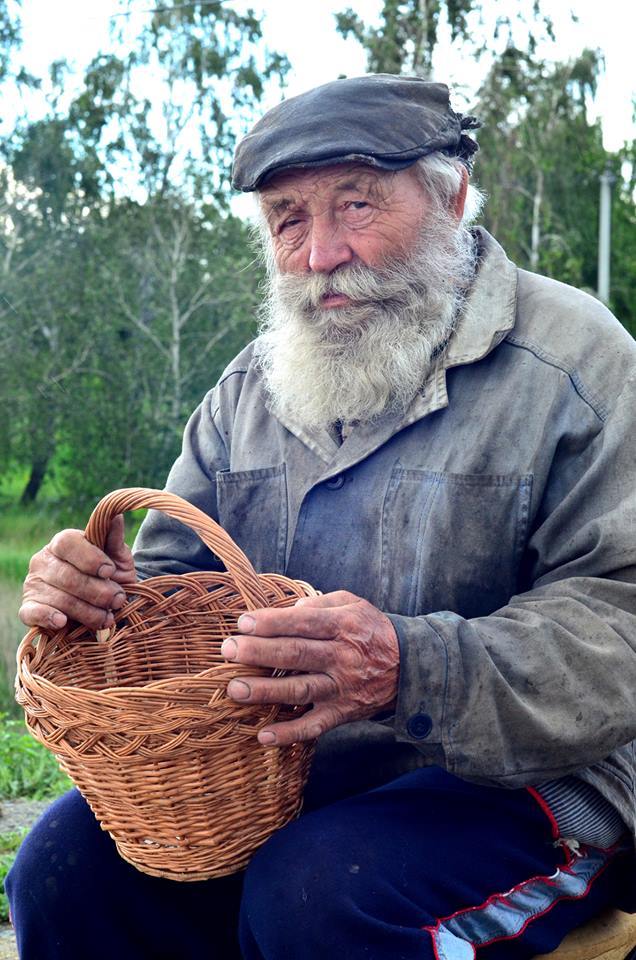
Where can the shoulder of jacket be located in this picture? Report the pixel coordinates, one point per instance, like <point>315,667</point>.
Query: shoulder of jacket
<point>240,365</point>
<point>574,332</point>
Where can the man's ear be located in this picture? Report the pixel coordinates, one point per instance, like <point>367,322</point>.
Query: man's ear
<point>457,207</point>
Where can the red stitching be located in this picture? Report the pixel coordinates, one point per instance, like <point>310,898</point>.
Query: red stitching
<point>432,930</point>
<point>546,809</point>
<point>547,909</point>
<point>503,897</point>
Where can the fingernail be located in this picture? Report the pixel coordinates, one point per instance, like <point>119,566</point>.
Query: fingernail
<point>229,649</point>
<point>267,738</point>
<point>246,623</point>
<point>118,601</point>
<point>58,619</point>
<point>109,621</point>
<point>105,571</point>
<point>238,690</point>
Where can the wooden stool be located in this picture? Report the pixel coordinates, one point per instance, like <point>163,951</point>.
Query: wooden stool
<point>611,936</point>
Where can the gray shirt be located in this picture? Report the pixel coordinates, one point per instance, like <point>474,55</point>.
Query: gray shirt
<point>494,522</point>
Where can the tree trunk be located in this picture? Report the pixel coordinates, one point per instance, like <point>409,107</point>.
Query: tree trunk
<point>36,478</point>
<point>536,223</point>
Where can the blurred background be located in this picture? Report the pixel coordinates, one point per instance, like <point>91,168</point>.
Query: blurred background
<point>127,277</point>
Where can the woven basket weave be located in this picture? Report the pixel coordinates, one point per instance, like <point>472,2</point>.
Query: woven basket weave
<point>140,719</point>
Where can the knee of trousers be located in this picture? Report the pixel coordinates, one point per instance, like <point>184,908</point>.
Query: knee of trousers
<point>304,881</point>
<point>57,867</point>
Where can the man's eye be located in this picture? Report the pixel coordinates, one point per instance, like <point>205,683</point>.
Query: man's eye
<point>358,204</point>
<point>291,222</point>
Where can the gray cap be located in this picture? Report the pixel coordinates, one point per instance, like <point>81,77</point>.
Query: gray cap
<point>382,120</point>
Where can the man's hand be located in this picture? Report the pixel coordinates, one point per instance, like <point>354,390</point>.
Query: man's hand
<point>72,578</point>
<point>346,649</point>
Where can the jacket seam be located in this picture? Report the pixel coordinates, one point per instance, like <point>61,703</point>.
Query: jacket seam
<point>598,408</point>
<point>231,373</point>
<point>616,773</point>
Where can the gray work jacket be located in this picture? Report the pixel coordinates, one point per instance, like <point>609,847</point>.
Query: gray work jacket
<point>494,522</point>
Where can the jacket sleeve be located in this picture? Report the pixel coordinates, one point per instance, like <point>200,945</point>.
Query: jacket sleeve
<point>546,684</point>
<point>164,545</point>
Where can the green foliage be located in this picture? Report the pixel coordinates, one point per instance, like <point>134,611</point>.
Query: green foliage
<point>9,843</point>
<point>23,532</point>
<point>208,59</point>
<point>10,42</point>
<point>405,40</point>
<point>117,315</point>
<point>14,563</point>
<point>114,359</point>
<point>540,162</point>
<point>11,632</point>
<point>27,769</point>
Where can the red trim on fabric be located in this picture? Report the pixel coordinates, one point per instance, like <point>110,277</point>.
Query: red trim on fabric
<point>536,916</point>
<point>548,880</point>
<point>536,796</point>
<point>432,930</point>
<point>546,809</point>
<point>544,878</point>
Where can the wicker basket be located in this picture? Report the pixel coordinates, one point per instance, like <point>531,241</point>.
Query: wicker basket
<point>140,719</point>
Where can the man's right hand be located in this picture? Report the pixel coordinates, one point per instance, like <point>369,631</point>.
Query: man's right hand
<point>71,578</point>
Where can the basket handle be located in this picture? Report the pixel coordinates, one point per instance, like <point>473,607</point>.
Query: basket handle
<point>213,535</point>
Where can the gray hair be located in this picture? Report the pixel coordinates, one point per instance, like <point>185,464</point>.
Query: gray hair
<point>441,178</point>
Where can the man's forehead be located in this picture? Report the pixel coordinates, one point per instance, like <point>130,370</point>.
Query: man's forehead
<point>296,186</point>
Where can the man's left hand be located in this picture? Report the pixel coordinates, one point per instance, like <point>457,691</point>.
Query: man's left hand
<point>346,649</point>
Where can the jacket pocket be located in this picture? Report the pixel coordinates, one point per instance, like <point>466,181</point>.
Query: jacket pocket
<point>252,507</point>
<point>452,541</point>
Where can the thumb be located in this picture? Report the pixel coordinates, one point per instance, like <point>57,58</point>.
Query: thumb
<point>116,547</point>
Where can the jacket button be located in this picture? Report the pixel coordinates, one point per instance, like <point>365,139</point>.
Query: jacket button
<point>419,726</point>
<point>334,483</point>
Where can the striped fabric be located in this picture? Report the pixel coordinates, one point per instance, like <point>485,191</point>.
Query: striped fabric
<point>581,812</point>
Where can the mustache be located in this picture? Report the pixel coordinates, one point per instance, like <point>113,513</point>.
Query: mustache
<point>362,284</point>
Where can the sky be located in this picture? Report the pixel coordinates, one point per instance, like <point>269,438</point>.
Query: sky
<point>305,30</point>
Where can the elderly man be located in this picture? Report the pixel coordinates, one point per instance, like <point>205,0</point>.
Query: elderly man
<point>443,445</point>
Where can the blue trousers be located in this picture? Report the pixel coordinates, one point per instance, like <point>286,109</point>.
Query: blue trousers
<point>427,867</point>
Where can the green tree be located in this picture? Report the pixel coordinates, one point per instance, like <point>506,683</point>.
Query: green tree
<point>209,68</point>
<point>540,162</point>
<point>173,296</point>
<point>408,32</point>
<point>47,201</point>
<point>117,313</point>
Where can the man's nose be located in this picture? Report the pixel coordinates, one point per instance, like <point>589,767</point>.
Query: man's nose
<point>328,248</point>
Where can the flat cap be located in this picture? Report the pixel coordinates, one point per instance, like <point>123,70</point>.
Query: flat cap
<point>379,119</point>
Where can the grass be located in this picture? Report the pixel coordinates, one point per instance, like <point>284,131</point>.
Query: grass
<point>22,533</point>
<point>9,843</point>
<point>27,769</point>
<point>11,632</point>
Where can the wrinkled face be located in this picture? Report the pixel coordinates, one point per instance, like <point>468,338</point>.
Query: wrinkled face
<point>322,219</point>
<point>366,275</point>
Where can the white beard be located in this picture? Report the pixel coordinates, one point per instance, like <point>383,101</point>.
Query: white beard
<point>370,357</point>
